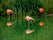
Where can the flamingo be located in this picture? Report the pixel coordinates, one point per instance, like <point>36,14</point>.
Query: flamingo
<point>41,23</point>
<point>9,12</point>
<point>28,18</point>
<point>28,31</point>
<point>41,10</point>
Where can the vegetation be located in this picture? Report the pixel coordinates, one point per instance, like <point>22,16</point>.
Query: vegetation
<point>17,25</point>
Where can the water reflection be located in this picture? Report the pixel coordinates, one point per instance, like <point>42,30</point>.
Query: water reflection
<point>28,31</point>
<point>9,23</point>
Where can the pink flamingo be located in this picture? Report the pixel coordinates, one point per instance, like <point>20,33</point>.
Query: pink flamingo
<point>28,18</point>
<point>9,11</point>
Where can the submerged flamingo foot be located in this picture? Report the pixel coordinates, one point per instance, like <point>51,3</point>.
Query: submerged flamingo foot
<point>28,31</point>
<point>9,23</point>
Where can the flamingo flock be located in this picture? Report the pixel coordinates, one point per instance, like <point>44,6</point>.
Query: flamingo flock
<point>28,18</point>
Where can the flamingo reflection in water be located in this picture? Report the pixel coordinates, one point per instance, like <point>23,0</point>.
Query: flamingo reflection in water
<point>9,23</point>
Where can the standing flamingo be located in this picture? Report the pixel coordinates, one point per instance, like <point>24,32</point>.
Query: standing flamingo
<point>28,18</point>
<point>10,13</point>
